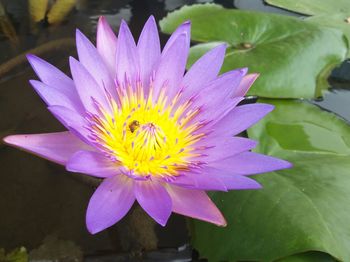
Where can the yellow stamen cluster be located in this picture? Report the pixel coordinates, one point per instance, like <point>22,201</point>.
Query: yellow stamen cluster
<point>146,137</point>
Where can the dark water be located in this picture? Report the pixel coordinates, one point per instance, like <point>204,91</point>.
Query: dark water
<point>39,200</point>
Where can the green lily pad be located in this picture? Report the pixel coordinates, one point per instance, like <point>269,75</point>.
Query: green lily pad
<point>293,57</point>
<point>306,208</point>
<point>340,21</point>
<point>312,7</point>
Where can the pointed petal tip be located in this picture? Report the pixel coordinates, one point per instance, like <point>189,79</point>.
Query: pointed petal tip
<point>9,140</point>
<point>244,70</point>
<point>102,19</point>
<point>220,221</point>
<point>78,32</point>
<point>34,60</point>
<point>288,165</point>
<point>31,57</point>
<point>92,227</point>
<point>162,223</point>
<point>123,24</point>
<point>265,108</point>
<point>80,37</point>
<point>102,22</point>
<point>15,140</point>
<point>221,47</point>
<point>223,224</point>
<point>72,61</point>
<point>92,230</point>
<point>151,18</point>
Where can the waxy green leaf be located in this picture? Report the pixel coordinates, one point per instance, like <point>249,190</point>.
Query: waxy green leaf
<point>312,7</point>
<point>339,21</point>
<point>293,57</point>
<point>306,208</point>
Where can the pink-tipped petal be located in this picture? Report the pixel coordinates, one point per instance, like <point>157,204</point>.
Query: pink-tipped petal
<point>241,118</point>
<point>171,68</point>
<point>110,203</point>
<point>215,99</point>
<point>89,91</point>
<point>127,57</point>
<point>154,199</point>
<point>106,44</point>
<point>245,84</point>
<point>56,147</point>
<point>93,163</point>
<point>196,204</point>
<point>148,48</point>
<point>250,163</point>
<point>94,64</point>
<point>202,72</point>
<point>55,97</point>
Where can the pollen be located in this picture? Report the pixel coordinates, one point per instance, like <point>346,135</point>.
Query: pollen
<point>147,138</point>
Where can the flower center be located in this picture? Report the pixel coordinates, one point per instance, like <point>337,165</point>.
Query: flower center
<point>147,137</point>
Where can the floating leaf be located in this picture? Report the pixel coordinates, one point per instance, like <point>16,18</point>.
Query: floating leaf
<point>306,208</point>
<point>340,21</point>
<point>292,56</point>
<point>313,7</point>
<point>60,10</point>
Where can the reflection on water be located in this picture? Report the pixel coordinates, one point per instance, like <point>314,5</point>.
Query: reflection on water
<point>258,5</point>
<point>308,137</point>
<point>39,198</point>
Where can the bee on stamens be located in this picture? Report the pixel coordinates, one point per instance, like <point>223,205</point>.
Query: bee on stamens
<point>134,125</point>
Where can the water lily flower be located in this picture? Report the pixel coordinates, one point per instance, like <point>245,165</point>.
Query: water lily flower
<point>153,132</point>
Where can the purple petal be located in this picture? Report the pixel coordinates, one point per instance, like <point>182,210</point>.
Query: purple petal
<point>237,182</point>
<point>245,84</point>
<point>87,87</point>
<point>224,147</point>
<point>231,180</point>
<point>49,74</point>
<point>184,28</point>
<point>93,163</point>
<point>110,203</point>
<point>56,147</point>
<point>127,58</point>
<point>202,72</point>
<point>53,77</point>
<point>54,96</point>
<point>148,48</point>
<point>106,44</point>
<point>171,67</point>
<point>72,121</point>
<point>250,163</point>
<point>94,64</point>
<point>215,99</point>
<point>199,180</point>
<point>240,118</point>
<point>154,199</point>
<point>196,204</point>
